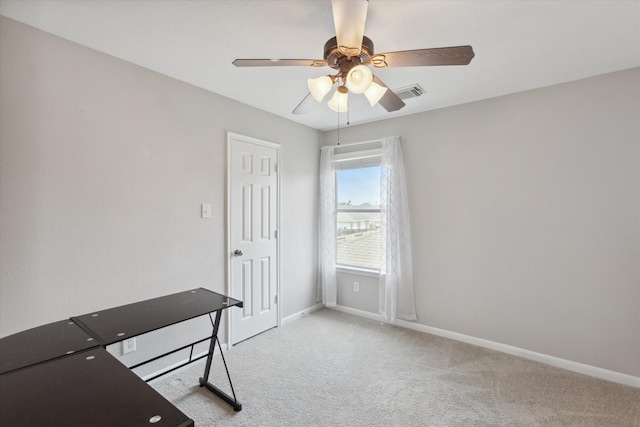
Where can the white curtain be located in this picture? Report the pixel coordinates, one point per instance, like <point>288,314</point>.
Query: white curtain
<point>396,272</point>
<point>327,286</point>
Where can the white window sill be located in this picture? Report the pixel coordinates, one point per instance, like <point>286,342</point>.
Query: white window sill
<point>357,270</point>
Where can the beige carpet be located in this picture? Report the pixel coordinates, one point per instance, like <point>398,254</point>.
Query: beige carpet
<point>334,369</point>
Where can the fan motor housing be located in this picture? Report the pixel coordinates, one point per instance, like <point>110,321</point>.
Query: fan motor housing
<point>335,57</point>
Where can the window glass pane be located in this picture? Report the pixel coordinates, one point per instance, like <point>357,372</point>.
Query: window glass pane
<point>359,188</point>
<point>358,217</point>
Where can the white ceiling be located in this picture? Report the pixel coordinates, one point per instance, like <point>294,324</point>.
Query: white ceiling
<point>519,45</point>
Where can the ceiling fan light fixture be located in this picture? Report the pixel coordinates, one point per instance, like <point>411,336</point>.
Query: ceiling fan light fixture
<point>320,87</point>
<point>352,55</point>
<point>339,100</point>
<point>374,93</point>
<point>359,79</point>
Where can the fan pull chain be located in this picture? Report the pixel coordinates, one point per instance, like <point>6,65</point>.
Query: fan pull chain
<point>338,128</point>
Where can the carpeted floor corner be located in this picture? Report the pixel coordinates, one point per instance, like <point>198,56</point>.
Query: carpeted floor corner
<point>335,369</point>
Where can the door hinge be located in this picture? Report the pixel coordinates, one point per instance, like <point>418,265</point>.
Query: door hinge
<point>275,234</point>
<point>276,299</point>
<point>276,165</point>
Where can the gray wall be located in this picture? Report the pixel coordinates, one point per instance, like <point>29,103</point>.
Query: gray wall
<point>526,219</point>
<point>526,208</point>
<point>103,167</point>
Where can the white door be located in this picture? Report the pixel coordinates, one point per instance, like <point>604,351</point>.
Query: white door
<point>253,245</point>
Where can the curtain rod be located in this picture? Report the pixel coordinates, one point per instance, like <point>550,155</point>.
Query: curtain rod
<point>355,143</point>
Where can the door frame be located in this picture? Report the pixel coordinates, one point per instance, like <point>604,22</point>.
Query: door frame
<point>248,139</point>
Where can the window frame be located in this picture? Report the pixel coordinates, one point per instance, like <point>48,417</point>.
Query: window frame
<point>362,270</point>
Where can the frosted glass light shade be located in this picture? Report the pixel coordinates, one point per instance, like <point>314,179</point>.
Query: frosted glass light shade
<point>374,93</point>
<point>339,100</point>
<point>320,87</point>
<point>359,79</point>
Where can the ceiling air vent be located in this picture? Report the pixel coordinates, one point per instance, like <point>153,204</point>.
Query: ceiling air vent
<point>409,92</point>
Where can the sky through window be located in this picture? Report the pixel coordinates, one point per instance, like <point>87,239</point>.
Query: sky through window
<point>359,186</point>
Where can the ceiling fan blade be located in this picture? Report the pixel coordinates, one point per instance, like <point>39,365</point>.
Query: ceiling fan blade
<point>389,101</point>
<point>349,17</point>
<point>279,62</point>
<point>457,55</point>
<point>304,106</point>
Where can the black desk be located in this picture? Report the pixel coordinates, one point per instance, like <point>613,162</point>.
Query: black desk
<point>50,362</point>
<point>126,321</point>
<point>119,323</point>
<point>43,343</point>
<point>88,388</point>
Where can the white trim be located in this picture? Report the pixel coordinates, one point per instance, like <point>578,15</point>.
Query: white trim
<point>228,231</point>
<point>557,362</point>
<point>181,368</point>
<point>349,144</point>
<point>356,312</point>
<point>278,231</point>
<point>357,270</point>
<point>251,140</point>
<point>357,155</point>
<point>302,313</point>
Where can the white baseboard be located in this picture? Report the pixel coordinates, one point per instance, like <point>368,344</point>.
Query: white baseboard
<point>356,312</point>
<point>557,362</point>
<point>182,362</point>
<point>300,314</point>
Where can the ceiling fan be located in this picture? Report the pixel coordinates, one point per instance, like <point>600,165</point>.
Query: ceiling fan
<point>350,53</point>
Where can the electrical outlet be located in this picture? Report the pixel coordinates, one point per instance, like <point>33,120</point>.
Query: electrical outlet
<point>356,286</point>
<point>128,345</point>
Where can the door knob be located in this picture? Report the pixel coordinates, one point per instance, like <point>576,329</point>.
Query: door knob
<point>237,252</point>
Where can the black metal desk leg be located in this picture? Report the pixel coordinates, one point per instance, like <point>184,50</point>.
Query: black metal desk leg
<point>204,381</point>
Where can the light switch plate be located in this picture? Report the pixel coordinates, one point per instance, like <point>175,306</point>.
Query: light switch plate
<point>206,210</point>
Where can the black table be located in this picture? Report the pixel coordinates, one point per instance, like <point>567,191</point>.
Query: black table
<point>43,343</point>
<point>87,388</point>
<point>127,321</point>
<point>50,363</point>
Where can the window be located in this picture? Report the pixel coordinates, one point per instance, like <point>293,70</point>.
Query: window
<point>358,225</point>
<point>353,178</point>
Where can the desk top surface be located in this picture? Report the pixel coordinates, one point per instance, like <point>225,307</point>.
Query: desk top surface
<point>88,388</point>
<point>41,344</point>
<point>126,321</point>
